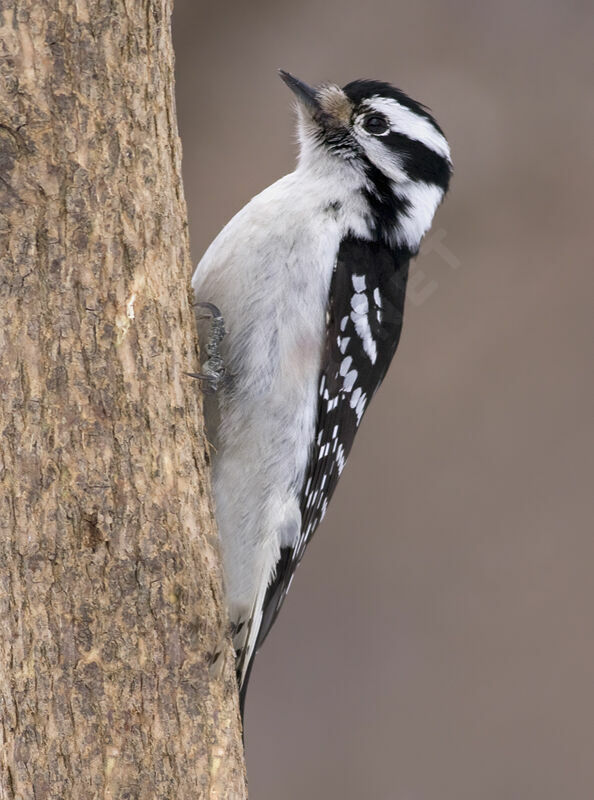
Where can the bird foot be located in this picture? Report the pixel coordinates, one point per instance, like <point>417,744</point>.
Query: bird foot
<point>213,369</point>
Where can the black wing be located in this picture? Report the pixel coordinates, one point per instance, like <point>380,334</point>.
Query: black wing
<point>364,325</point>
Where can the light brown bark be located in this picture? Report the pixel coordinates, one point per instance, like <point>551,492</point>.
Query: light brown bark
<point>110,586</point>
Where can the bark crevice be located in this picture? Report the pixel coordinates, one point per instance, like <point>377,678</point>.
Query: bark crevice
<point>110,584</point>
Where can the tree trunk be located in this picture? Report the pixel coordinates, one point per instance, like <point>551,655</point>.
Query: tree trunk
<point>110,585</point>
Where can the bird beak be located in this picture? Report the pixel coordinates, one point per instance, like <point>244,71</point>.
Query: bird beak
<point>304,93</point>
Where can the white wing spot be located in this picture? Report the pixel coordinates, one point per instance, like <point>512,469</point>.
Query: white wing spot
<point>364,331</point>
<point>343,343</point>
<point>349,380</point>
<point>340,459</point>
<point>345,365</point>
<point>355,397</point>
<point>360,408</point>
<point>359,304</point>
<point>359,283</point>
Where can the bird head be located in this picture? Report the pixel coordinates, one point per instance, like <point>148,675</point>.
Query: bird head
<point>389,140</point>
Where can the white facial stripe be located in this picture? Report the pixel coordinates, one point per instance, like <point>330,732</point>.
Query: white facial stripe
<point>414,224</point>
<point>404,120</point>
<point>378,153</point>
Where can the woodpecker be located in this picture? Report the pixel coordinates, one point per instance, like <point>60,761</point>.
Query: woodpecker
<point>310,278</point>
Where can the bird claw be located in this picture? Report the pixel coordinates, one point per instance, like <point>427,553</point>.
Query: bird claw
<point>213,369</point>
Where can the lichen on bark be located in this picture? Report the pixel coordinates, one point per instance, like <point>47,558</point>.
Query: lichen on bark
<point>110,584</point>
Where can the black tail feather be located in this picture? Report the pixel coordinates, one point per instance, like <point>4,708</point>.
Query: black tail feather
<point>243,689</point>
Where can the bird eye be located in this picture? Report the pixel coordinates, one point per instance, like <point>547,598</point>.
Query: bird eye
<point>375,124</point>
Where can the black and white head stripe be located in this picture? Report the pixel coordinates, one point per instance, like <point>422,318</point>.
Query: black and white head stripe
<point>407,160</point>
<point>405,114</point>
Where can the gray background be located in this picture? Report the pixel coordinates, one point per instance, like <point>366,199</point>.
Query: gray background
<point>438,641</point>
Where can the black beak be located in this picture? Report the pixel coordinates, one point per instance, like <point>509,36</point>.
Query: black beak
<point>304,93</point>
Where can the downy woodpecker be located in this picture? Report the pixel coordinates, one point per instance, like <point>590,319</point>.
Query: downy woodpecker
<point>310,277</point>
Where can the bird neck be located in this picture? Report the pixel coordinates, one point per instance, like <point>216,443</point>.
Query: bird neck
<point>401,213</point>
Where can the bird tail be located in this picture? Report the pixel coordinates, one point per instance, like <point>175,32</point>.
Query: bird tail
<point>244,685</point>
<point>246,641</point>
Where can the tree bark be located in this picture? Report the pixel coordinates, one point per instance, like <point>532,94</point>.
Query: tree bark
<point>110,584</point>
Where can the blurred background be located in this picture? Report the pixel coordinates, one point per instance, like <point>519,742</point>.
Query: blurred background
<point>438,641</point>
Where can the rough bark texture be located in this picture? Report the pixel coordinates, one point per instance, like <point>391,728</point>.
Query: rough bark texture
<point>110,589</point>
